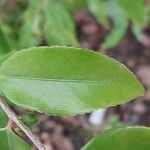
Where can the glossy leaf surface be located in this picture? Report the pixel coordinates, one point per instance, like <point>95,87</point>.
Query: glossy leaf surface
<point>10,141</point>
<point>130,138</point>
<point>66,81</point>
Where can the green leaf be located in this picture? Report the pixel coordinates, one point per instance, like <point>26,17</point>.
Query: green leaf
<point>99,10</point>
<point>4,44</point>
<point>9,140</point>
<point>135,10</point>
<point>59,29</point>
<point>4,56</point>
<point>29,119</point>
<point>115,36</point>
<point>130,138</point>
<point>138,32</point>
<point>30,32</point>
<point>66,81</point>
<point>120,22</point>
<point>73,5</point>
<point>3,119</point>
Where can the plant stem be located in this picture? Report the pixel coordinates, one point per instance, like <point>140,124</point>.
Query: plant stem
<point>11,114</point>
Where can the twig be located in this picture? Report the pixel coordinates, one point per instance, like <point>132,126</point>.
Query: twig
<point>10,113</point>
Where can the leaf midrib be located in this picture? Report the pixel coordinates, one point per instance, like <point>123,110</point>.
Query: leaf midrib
<point>102,82</point>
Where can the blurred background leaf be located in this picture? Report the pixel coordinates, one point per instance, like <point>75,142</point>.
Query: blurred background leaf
<point>99,10</point>
<point>120,24</point>
<point>4,43</point>
<point>30,32</point>
<point>73,5</point>
<point>131,8</point>
<point>59,27</point>
<point>32,23</point>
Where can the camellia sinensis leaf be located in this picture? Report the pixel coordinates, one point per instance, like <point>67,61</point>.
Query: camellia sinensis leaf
<point>10,141</point>
<point>66,81</point>
<point>129,138</point>
<point>3,119</point>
